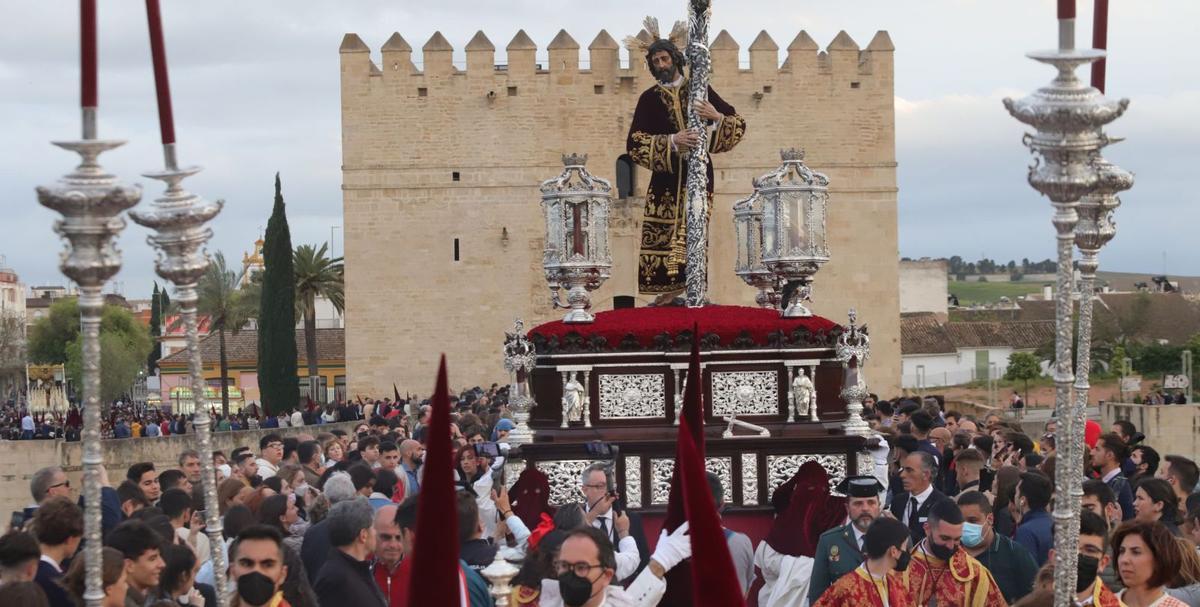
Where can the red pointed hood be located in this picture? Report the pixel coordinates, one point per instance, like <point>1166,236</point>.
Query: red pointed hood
<point>805,508</point>
<point>718,586</point>
<point>435,556</point>
<point>693,414</point>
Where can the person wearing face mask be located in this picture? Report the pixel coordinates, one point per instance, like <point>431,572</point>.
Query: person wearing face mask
<point>1011,564</point>
<point>941,571</point>
<point>1093,557</point>
<point>586,567</point>
<point>257,569</point>
<point>840,550</point>
<point>877,582</point>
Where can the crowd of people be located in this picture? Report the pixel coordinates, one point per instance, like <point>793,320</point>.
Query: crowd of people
<point>957,513</point>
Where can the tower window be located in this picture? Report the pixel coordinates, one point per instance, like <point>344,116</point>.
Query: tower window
<point>456,257</point>
<point>766,88</point>
<point>422,92</point>
<point>512,91</point>
<point>853,85</point>
<point>599,89</point>
<point>625,176</point>
<point>455,176</point>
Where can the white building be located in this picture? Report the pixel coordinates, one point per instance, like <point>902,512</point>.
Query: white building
<point>936,353</point>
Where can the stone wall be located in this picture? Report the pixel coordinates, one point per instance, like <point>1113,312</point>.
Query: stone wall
<point>445,161</point>
<point>923,286</point>
<point>20,459</point>
<point>1170,429</point>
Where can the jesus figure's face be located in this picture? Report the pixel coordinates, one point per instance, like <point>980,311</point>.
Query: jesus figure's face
<point>663,66</point>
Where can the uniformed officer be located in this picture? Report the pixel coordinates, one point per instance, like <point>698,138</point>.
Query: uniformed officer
<point>840,550</point>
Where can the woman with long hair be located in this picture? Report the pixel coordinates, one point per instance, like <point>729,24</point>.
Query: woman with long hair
<point>471,474</point>
<point>237,518</point>
<point>226,492</point>
<point>176,583</point>
<point>1148,560</point>
<point>1155,500</point>
<point>538,566</point>
<point>279,511</point>
<point>1005,488</point>
<point>112,575</point>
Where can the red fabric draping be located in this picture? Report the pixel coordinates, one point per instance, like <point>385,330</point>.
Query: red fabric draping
<point>727,322</point>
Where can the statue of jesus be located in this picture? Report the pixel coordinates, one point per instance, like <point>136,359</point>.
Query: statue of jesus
<point>660,141</point>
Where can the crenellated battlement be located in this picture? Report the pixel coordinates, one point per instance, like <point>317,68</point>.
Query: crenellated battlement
<point>563,57</point>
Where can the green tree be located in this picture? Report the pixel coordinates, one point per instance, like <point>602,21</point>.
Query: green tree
<point>124,346</point>
<point>277,315</point>
<point>1022,366</point>
<point>155,331</point>
<point>317,275</point>
<point>228,308</point>
<point>50,335</point>
<point>12,351</point>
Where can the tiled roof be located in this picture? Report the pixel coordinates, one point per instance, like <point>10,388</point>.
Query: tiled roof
<point>1020,335</point>
<point>923,333</point>
<point>243,347</point>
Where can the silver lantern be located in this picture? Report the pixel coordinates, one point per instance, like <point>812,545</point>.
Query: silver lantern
<point>748,232</point>
<point>519,360</point>
<point>576,256</point>
<point>794,247</point>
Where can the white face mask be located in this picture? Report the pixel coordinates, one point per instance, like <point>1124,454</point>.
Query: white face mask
<point>301,489</point>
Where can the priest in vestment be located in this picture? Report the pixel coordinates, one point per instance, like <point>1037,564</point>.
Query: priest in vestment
<point>942,573</point>
<point>877,582</point>
<point>659,140</point>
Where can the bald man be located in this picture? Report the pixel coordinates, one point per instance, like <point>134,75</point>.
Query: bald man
<point>942,439</point>
<point>389,551</point>
<point>412,457</point>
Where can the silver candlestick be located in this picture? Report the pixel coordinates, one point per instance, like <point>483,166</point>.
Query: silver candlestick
<point>90,201</point>
<point>853,349</point>
<point>178,218</point>
<point>1068,116</point>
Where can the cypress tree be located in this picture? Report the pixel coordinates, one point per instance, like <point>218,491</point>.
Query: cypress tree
<point>277,380</point>
<point>155,332</point>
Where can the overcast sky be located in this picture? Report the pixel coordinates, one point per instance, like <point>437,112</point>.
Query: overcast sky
<point>255,88</point>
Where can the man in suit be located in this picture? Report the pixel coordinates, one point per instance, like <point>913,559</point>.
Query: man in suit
<point>59,531</point>
<point>624,529</point>
<point>840,550</point>
<point>911,507</point>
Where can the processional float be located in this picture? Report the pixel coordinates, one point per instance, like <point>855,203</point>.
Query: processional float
<point>91,202</point>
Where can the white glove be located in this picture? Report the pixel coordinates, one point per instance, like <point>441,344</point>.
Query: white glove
<point>674,548</point>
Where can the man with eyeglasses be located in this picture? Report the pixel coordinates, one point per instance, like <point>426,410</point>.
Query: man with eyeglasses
<point>46,483</point>
<point>586,567</point>
<point>270,449</point>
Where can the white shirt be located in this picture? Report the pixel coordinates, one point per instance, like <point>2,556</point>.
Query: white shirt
<point>53,563</point>
<point>266,469</point>
<point>1112,474</point>
<point>858,535</point>
<point>297,419</point>
<point>628,556</point>
<point>921,497</point>
<point>645,591</point>
<point>27,423</point>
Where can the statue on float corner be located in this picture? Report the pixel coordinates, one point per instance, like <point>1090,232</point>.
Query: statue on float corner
<point>573,400</point>
<point>801,397</point>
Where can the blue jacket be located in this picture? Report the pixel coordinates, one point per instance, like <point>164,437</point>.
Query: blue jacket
<point>1035,533</point>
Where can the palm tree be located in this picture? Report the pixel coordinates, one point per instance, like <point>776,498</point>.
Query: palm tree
<point>229,306</point>
<point>317,275</point>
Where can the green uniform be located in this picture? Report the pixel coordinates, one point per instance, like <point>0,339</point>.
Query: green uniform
<point>837,554</point>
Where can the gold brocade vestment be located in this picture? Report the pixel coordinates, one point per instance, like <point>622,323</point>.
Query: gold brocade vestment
<point>662,111</point>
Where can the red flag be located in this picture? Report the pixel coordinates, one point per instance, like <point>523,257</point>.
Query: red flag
<point>719,586</point>
<point>693,413</point>
<point>435,571</point>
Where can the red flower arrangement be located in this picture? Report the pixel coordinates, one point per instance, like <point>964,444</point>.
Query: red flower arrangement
<point>642,327</point>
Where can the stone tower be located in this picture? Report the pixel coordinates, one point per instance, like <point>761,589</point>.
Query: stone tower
<point>441,166</point>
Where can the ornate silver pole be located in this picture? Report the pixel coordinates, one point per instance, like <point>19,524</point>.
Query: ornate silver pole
<point>178,219</point>
<point>853,349</point>
<point>1094,230</point>
<point>1068,116</point>
<point>90,201</point>
<point>697,173</point>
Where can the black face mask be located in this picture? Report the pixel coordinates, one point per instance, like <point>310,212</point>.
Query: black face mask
<point>1087,568</point>
<point>574,590</point>
<point>940,551</point>
<point>902,562</point>
<point>255,588</point>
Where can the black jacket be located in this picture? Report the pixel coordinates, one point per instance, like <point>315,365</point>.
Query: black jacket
<point>916,526</point>
<point>478,553</point>
<point>315,548</point>
<point>345,580</point>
